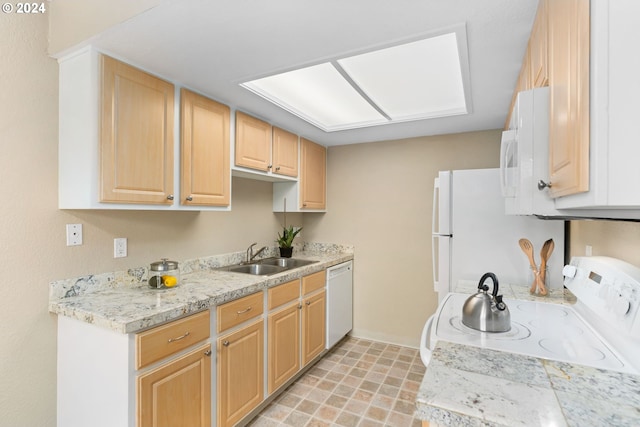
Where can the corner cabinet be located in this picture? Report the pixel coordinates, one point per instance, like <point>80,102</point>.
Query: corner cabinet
<point>107,160</point>
<point>310,193</point>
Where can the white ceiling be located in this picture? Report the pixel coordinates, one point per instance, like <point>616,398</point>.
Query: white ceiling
<point>211,46</point>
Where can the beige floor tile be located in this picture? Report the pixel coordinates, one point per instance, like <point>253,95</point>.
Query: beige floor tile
<point>358,383</point>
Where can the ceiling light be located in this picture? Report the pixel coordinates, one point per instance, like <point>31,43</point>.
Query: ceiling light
<point>416,80</point>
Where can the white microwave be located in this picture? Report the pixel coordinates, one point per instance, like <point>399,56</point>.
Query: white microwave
<point>524,156</point>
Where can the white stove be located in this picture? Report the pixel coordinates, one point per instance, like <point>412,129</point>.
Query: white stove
<point>602,329</point>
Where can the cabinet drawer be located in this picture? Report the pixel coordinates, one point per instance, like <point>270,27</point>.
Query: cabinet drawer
<point>283,294</point>
<point>235,312</point>
<point>165,340</point>
<point>313,282</point>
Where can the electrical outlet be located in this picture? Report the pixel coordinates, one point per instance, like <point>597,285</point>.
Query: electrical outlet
<point>588,250</point>
<point>74,234</point>
<point>120,247</point>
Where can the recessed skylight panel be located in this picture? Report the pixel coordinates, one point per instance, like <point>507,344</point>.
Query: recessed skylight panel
<point>318,94</point>
<point>414,80</point>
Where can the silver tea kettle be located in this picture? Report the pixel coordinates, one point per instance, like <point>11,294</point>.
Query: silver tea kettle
<point>484,312</point>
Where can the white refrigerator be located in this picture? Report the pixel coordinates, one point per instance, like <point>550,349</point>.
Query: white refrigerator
<point>472,235</point>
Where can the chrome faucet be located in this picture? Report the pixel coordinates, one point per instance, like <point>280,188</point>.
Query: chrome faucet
<point>251,255</point>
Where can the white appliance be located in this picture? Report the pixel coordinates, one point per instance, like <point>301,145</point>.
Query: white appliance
<point>524,156</point>
<point>339,301</point>
<point>472,234</point>
<point>602,329</point>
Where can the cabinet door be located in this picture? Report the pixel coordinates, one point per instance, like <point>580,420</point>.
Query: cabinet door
<point>285,152</point>
<point>205,175</point>
<point>177,394</point>
<point>136,136</point>
<point>283,345</point>
<point>313,326</point>
<point>240,373</point>
<point>313,165</point>
<point>569,96</point>
<point>538,47</point>
<point>253,142</point>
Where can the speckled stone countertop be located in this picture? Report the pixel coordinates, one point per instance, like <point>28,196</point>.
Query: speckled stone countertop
<point>471,386</point>
<point>123,301</point>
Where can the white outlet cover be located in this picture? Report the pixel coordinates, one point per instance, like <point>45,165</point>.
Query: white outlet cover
<point>120,247</point>
<point>74,234</point>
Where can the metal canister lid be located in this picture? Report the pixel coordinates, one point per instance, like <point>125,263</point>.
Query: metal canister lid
<point>164,265</point>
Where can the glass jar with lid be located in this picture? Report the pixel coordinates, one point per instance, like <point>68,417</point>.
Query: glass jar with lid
<point>164,274</point>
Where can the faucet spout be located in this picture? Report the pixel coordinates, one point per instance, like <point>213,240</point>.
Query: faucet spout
<point>251,255</point>
<point>258,253</point>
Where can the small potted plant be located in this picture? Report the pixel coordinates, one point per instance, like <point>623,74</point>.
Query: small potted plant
<point>285,241</point>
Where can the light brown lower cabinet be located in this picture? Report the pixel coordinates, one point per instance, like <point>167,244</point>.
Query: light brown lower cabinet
<point>283,345</point>
<point>177,394</point>
<point>313,326</point>
<point>240,373</point>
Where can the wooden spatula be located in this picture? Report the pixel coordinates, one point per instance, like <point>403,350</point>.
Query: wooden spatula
<point>545,253</point>
<point>527,248</point>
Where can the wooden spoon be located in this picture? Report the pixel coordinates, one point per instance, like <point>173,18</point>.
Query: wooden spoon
<point>545,253</point>
<point>527,248</point>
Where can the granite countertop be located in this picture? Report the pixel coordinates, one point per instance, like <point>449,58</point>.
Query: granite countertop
<point>123,301</point>
<point>470,386</point>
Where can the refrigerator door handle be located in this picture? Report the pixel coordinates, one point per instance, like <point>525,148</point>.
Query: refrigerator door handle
<point>436,193</point>
<point>433,260</point>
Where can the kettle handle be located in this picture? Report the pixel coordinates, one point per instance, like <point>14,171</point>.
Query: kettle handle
<point>494,279</point>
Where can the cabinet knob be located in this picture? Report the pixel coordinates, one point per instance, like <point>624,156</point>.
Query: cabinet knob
<point>299,306</point>
<point>278,168</point>
<point>225,343</point>
<point>207,353</point>
<point>542,185</point>
<point>308,302</point>
<point>269,167</point>
<point>170,197</point>
<point>189,199</point>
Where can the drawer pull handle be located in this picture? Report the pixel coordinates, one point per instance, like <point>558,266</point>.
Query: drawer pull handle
<point>225,343</point>
<point>243,311</point>
<point>181,337</point>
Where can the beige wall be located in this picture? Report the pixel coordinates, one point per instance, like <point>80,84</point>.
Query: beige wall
<point>379,199</point>
<point>33,249</point>
<point>618,239</point>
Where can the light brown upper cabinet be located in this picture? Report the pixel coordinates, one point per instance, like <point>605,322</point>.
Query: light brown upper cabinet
<point>136,135</point>
<point>569,42</point>
<point>285,152</point>
<point>537,49</point>
<point>558,56</point>
<point>253,142</point>
<point>205,157</point>
<point>313,179</point>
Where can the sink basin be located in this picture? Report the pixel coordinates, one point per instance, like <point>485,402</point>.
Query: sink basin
<point>267,266</point>
<point>286,262</point>
<point>256,269</point>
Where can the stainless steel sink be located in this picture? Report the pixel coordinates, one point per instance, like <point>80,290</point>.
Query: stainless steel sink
<point>256,269</point>
<point>286,262</point>
<point>267,266</point>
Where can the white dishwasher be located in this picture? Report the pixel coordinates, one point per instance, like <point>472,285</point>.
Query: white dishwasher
<point>339,302</point>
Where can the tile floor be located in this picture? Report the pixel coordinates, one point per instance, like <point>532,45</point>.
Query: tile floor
<point>358,383</point>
